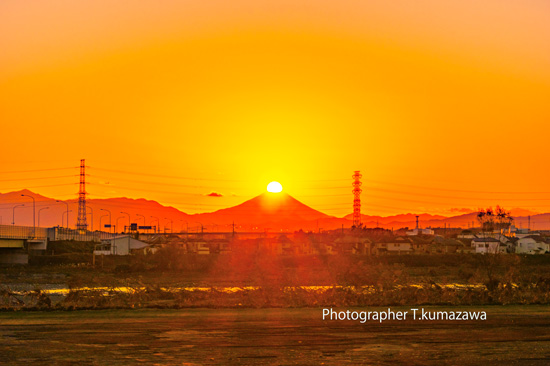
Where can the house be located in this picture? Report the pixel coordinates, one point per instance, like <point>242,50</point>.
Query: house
<point>446,245</point>
<point>423,244</point>
<point>396,245</point>
<point>419,231</point>
<point>280,245</point>
<point>533,244</point>
<point>193,246</point>
<point>352,244</point>
<point>119,245</point>
<point>488,245</point>
<point>466,234</point>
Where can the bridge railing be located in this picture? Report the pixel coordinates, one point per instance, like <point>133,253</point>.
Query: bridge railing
<point>61,233</point>
<point>23,232</point>
<point>53,233</point>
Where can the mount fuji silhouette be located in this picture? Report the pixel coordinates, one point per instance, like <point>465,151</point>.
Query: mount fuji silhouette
<point>273,211</point>
<point>280,210</point>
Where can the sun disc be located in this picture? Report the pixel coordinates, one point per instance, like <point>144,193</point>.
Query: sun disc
<point>274,187</point>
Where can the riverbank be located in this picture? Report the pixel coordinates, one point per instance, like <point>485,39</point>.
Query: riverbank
<point>517,335</point>
<point>250,280</point>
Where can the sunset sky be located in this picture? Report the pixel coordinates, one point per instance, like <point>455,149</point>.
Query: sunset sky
<point>441,105</point>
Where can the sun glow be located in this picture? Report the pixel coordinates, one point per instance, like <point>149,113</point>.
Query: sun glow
<point>274,187</point>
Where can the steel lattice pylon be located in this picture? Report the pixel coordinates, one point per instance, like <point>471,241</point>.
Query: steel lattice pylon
<point>356,198</point>
<point>81,223</point>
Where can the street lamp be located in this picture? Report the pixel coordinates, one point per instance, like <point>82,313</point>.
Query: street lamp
<point>13,217</point>
<point>100,218</point>
<point>171,224</point>
<point>63,215</point>
<point>33,213</point>
<point>118,218</point>
<point>143,218</point>
<point>129,219</point>
<point>92,218</point>
<point>158,223</point>
<point>67,213</point>
<point>110,223</point>
<point>43,208</point>
<point>202,227</point>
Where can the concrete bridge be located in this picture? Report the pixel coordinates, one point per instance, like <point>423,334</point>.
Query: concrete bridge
<point>17,242</point>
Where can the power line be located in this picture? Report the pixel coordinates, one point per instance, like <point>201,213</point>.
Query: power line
<point>35,170</point>
<point>157,183</point>
<point>454,190</point>
<point>163,176</point>
<point>148,190</point>
<point>38,178</point>
<point>455,197</point>
<point>45,186</point>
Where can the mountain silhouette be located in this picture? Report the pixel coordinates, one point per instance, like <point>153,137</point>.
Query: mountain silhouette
<point>280,210</point>
<point>273,211</point>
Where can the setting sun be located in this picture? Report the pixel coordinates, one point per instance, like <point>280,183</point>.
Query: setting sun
<point>274,187</point>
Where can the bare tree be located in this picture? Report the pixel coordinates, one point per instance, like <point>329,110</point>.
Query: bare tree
<point>493,223</point>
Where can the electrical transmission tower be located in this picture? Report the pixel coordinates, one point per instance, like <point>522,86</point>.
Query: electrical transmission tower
<point>356,198</point>
<point>81,223</point>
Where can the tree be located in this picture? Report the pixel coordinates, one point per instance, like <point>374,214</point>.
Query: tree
<point>493,223</point>
<point>492,220</point>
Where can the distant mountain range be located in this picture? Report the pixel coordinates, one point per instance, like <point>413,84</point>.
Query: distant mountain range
<point>271,211</point>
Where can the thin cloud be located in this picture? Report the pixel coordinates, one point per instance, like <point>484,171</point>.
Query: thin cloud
<point>461,210</point>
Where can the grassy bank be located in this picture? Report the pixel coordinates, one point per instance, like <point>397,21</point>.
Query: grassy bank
<point>160,281</point>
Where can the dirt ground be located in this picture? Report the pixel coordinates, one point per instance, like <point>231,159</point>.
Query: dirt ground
<point>511,335</point>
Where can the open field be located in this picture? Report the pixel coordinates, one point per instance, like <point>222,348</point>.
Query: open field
<point>518,335</point>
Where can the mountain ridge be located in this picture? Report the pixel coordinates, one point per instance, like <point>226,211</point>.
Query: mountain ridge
<point>266,211</point>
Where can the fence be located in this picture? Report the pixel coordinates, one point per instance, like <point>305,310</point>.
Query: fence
<point>23,232</point>
<point>54,233</point>
<point>61,233</point>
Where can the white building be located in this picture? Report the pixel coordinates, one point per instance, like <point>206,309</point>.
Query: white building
<point>418,231</point>
<point>532,245</point>
<point>466,234</point>
<point>119,245</point>
<point>488,245</point>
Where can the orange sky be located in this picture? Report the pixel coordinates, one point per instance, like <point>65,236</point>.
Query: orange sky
<point>439,104</point>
